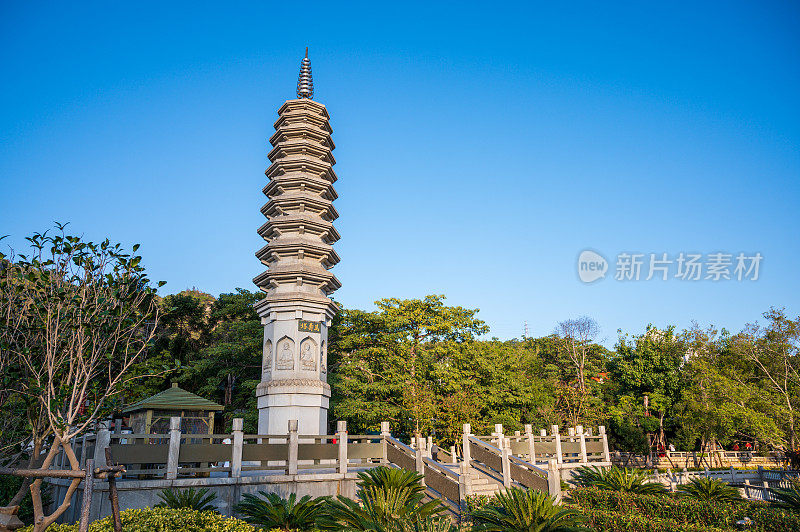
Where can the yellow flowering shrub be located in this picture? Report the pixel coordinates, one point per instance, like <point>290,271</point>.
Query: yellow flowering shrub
<point>162,520</point>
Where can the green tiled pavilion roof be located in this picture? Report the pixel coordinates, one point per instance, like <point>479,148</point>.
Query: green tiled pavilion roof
<point>174,398</point>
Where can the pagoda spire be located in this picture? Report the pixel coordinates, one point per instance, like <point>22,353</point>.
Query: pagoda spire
<point>305,85</point>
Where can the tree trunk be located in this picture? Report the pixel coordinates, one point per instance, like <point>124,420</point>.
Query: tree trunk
<point>41,521</point>
<point>26,482</point>
<point>229,383</point>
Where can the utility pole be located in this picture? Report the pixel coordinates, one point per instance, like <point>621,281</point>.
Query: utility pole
<point>525,333</point>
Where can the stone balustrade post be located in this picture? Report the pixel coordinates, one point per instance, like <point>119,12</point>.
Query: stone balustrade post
<point>571,432</point>
<point>465,443</point>
<point>531,446</point>
<point>341,435</point>
<point>543,433</point>
<point>103,440</point>
<point>582,440</point>
<point>606,455</point>
<point>385,433</point>
<point>464,481</point>
<point>557,436</point>
<point>453,457</point>
<point>505,446</point>
<point>82,459</point>
<point>733,475</point>
<point>428,447</point>
<point>294,445</point>
<point>554,479</point>
<point>497,435</point>
<point>174,447</point>
<point>419,454</point>
<point>237,444</point>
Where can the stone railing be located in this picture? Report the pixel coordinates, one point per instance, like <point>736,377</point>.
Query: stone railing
<point>695,459</point>
<point>174,455</point>
<point>512,469</point>
<point>754,484</point>
<point>578,446</point>
<point>440,482</point>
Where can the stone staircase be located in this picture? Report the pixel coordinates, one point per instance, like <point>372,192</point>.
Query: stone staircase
<point>483,481</point>
<point>484,484</point>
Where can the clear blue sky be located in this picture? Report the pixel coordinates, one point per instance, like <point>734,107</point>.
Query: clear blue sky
<point>480,146</point>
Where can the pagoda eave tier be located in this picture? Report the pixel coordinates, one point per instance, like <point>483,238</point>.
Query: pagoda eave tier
<point>288,248</point>
<point>303,104</point>
<point>300,183</point>
<point>302,164</point>
<point>299,223</point>
<point>288,132</point>
<point>289,274</point>
<point>287,204</point>
<point>303,119</point>
<point>290,301</point>
<point>299,148</point>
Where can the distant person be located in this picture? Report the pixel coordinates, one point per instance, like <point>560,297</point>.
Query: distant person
<point>748,446</point>
<point>671,448</point>
<point>435,452</point>
<point>735,446</point>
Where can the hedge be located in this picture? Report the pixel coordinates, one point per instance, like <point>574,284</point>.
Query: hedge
<point>162,520</point>
<point>633,522</point>
<point>680,511</point>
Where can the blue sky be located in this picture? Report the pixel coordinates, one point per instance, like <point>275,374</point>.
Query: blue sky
<point>480,147</point>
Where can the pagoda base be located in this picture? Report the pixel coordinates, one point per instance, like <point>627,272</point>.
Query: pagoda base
<point>304,400</point>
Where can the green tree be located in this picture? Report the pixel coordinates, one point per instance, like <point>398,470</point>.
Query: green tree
<point>774,352</point>
<point>228,367</point>
<point>77,315</point>
<point>389,364</point>
<point>648,370</point>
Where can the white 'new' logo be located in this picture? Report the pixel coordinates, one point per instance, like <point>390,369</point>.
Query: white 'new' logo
<point>591,266</point>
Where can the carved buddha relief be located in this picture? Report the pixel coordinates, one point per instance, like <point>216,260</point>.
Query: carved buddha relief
<point>266,363</point>
<point>285,354</point>
<point>308,355</point>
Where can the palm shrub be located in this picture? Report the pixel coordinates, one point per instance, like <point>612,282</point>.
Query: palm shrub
<point>709,489</point>
<point>389,477</point>
<point>200,500</point>
<point>623,479</point>
<point>389,500</point>
<point>270,510</point>
<point>516,509</point>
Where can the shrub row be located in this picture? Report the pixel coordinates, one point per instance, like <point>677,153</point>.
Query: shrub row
<point>162,520</point>
<point>660,506</point>
<point>608,520</point>
<point>682,511</point>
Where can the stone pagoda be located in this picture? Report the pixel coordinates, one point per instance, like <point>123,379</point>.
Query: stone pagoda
<point>299,232</point>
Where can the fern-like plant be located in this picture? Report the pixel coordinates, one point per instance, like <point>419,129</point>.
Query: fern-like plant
<point>388,500</point>
<point>390,477</point>
<point>709,489</point>
<point>623,479</point>
<point>270,510</point>
<point>516,509</point>
<point>200,500</point>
